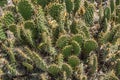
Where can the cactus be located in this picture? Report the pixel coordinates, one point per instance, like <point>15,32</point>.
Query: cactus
<point>73,61</point>
<point>29,24</point>
<point>54,69</point>
<point>40,21</point>
<point>43,3</point>
<point>39,62</point>
<point>3,2</point>
<point>2,33</point>
<point>60,59</point>
<point>73,27</point>
<point>107,13</point>
<point>85,30</point>
<point>90,45</point>
<point>67,50</point>
<point>76,48</point>
<point>93,63</point>
<point>67,68</point>
<point>117,2</point>
<point>69,5</point>
<point>8,18</point>
<point>76,5</point>
<point>62,41</point>
<point>27,35</point>
<point>88,16</point>
<point>117,68</point>
<point>55,11</point>
<point>112,6</point>
<point>79,39</point>
<point>11,70</point>
<point>25,9</point>
<point>28,66</point>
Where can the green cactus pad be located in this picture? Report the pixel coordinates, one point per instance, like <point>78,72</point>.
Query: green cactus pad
<point>88,16</point>
<point>62,41</point>
<point>2,33</point>
<point>55,11</point>
<point>25,9</point>
<point>74,27</point>
<point>28,66</point>
<point>73,61</point>
<point>79,39</point>
<point>107,13</point>
<point>8,18</point>
<point>69,5</point>
<point>68,69</point>
<point>66,51</point>
<point>90,45</point>
<point>76,5</point>
<point>117,69</point>
<point>53,69</point>
<point>76,48</point>
<point>29,24</point>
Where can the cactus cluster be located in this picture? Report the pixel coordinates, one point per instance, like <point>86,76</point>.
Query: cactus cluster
<point>59,40</point>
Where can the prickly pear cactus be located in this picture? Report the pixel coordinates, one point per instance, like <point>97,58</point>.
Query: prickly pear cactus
<point>2,33</point>
<point>59,39</point>
<point>25,9</point>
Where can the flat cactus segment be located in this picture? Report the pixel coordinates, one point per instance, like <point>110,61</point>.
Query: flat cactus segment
<point>55,11</point>
<point>73,61</point>
<point>25,9</point>
<point>2,33</point>
<point>90,45</point>
<point>88,16</point>
<point>53,69</point>
<point>68,69</point>
<point>8,18</point>
<point>76,48</point>
<point>78,38</point>
<point>62,41</point>
<point>69,5</point>
<point>67,50</point>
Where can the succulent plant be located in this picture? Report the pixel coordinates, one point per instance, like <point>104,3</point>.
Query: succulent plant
<point>73,27</point>
<point>67,68</point>
<point>62,41</point>
<point>25,9</point>
<point>3,2</point>
<point>43,3</point>
<point>89,46</point>
<point>117,2</point>
<point>112,5</point>
<point>39,62</point>
<point>53,69</point>
<point>76,5</point>
<point>55,11</point>
<point>88,16</point>
<point>28,66</point>
<point>93,63</point>
<point>67,50</point>
<point>59,39</point>
<point>76,48</point>
<point>79,39</point>
<point>117,68</point>
<point>73,61</point>
<point>40,21</point>
<point>2,33</point>
<point>107,13</point>
<point>69,5</point>
<point>8,18</point>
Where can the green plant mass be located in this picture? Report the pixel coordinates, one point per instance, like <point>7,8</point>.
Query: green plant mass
<point>59,39</point>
